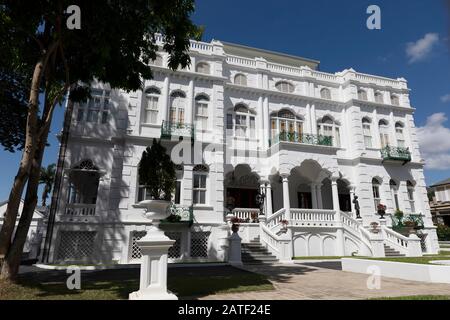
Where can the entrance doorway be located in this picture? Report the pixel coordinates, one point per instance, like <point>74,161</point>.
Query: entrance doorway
<point>242,198</point>
<point>304,200</point>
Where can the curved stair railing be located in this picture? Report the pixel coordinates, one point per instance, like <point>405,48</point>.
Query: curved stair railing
<point>395,240</point>
<point>275,219</point>
<point>354,227</point>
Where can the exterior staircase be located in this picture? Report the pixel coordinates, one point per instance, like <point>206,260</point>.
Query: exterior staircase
<point>389,252</point>
<point>255,253</point>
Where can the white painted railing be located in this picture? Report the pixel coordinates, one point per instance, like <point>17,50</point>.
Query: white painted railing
<point>395,240</point>
<point>275,219</point>
<point>270,240</point>
<point>79,209</point>
<point>240,61</point>
<point>246,213</point>
<point>312,215</point>
<point>284,69</point>
<point>349,221</point>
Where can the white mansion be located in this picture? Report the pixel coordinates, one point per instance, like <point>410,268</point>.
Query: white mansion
<point>237,122</point>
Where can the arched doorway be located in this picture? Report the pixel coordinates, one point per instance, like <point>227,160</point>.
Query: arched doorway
<point>241,188</point>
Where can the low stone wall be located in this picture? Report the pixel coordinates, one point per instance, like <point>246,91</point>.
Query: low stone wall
<point>399,270</point>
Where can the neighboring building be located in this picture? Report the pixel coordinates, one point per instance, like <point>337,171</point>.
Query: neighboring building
<point>265,121</point>
<point>440,204</point>
<point>32,246</point>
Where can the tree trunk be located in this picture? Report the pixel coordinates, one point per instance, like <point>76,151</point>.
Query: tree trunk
<point>45,195</point>
<point>25,163</point>
<point>11,263</point>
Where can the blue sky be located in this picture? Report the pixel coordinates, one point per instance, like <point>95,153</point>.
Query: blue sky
<point>335,33</point>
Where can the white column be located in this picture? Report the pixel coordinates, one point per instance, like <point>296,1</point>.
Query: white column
<point>351,190</point>
<point>308,124</point>
<point>339,231</point>
<point>286,201</point>
<point>166,99</point>
<point>189,112</point>
<point>313,120</point>
<point>375,129</point>
<point>260,130</point>
<point>266,122</point>
<point>335,194</point>
<point>269,200</point>
<point>319,196</point>
<point>313,195</point>
<point>393,138</point>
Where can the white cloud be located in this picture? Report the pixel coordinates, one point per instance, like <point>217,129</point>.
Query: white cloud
<point>419,50</point>
<point>445,98</point>
<point>434,141</point>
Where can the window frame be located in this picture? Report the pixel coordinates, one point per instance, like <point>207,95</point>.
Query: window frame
<point>240,82</point>
<point>279,85</point>
<point>200,171</point>
<point>367,132</point>
<point>202,119</point>
<point>324,125</point>
<point>102,109</point>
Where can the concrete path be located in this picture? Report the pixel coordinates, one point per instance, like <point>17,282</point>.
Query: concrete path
<point>326,280</point>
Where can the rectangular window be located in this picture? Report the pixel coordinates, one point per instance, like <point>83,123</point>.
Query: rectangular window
<point>411,200</point>
<point>384,138</point>
<point>98,107</point>
<point>241,125</point>
<point>178,192</point>
<point>367,135</point>
<point>199,189</point>
<point>151,110</point>
<point>376,196</point>
<point>202,115</point>
<point>252,127</point>
<point>229,122</point>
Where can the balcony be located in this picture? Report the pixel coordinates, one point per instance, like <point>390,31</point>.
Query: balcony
<point>177,130</point>
<point>302,138</point>
<point>394,154</point>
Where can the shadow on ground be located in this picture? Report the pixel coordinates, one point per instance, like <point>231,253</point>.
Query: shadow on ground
<point>188,282</point>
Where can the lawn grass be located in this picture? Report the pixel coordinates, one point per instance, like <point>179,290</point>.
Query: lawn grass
<point>419,260</point>
<point>117,284</point>
<point>418,297</point>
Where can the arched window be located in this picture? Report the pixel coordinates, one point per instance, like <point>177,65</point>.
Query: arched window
<point>384,133</point>
<point>201,107</point>
<point>327,127</point>
<point>325,93</point>
<point>202,67</point>
<point>177,105</point>
<point>367,132</point>
<point>395,100</point>
<point>242,122</point>
<point>362,95</point>
<point>376,192</point>
<point>158,61</point>
<point>240,79</point>
<point>410,188</point>
<point>399,134</point>
<point>199,188</point>
<point>285,121</point>
<point>284,86</point>
<point>151,105</point>
<point>378,97</point>
<point>394,190</point>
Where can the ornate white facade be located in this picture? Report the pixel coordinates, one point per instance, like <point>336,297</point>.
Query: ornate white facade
<point>241,120</point>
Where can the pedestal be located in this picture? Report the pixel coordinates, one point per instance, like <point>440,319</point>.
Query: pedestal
<point>153,283</point>
<point>234,253</point>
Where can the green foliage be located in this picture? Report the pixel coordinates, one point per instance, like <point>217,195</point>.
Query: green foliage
<point>47,178</point>
<point>443,232</point>
<point>398,214</point>
<point>157,172</point>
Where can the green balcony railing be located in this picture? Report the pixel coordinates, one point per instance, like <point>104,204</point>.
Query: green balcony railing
<point>295,137</point>
<point>398,223</point>
<point>396,153</point>
<point>176,129</point>
<point>180,214</point>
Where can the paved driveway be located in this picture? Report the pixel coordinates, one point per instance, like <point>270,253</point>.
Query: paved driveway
<point>326,280</point>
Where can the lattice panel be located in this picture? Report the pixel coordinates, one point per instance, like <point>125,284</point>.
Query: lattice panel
<point>76,245</point>
<point>423,243</point>
<point>199,244</point>
<point>175,250</point>
<point>135,250</point>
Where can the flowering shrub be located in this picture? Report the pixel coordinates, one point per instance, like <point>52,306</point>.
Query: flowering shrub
<point>381,207</point>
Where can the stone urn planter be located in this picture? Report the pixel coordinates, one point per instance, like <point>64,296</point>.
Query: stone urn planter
<point>154,247</point>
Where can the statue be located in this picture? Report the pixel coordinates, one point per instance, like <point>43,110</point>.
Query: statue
<point>356,203</point>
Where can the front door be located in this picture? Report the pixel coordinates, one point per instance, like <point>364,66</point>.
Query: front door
<point>304,200</point>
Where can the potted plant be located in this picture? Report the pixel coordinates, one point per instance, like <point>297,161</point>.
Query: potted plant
<point>235,221</point>
<point>284,224</point>
<point>254,216</point>
<point>410,226</point>
<point>157,173</point>
<point>381,209</point>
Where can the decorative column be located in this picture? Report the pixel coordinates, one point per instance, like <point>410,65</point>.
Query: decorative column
<point>166,99</point>
<point>319,196</point>
<point>189,111</point>
<point>286,201</point>
<point>351,190</point>
<point>337,209</point>
<point>269,200</point>
<point>266,123</point>
<point>313,195</point>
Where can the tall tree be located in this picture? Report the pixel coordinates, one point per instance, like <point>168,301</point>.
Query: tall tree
<point>47,178</point>
<point>115,44</point>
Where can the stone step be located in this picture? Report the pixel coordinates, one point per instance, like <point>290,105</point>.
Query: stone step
<point>257,256</point>
<point>390,252</point>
